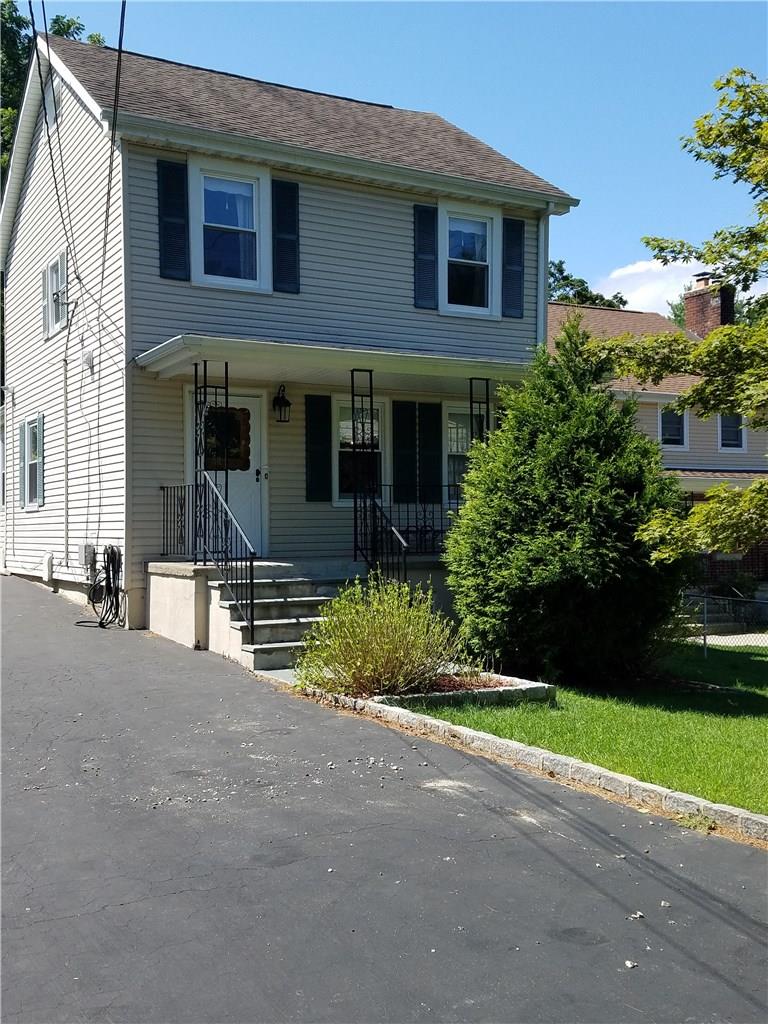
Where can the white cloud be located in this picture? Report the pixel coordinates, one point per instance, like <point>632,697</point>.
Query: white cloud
<point>648,285</point>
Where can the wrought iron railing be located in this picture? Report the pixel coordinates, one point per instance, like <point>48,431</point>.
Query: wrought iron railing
<point>424,521</point>
<point>178,521</point>
<point>378,541</point>
<point>198,524</point>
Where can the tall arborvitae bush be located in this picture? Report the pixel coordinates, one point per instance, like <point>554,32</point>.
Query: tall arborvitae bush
<point>546,570</point>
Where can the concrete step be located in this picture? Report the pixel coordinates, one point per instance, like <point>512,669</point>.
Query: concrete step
<point>271,656</point>
<point>271,631</point>
<point>280,607</point>
<point>295,586</point>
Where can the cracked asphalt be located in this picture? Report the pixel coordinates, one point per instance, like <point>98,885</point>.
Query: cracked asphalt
<point>184,843</point>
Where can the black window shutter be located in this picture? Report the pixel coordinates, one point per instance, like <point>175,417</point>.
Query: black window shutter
<point>404,452</point>
<point>318,446</point>
<point>285,236</point>
<point>512,267</point>
<point>173,219</point>
<point>425,257</point>
<point>430,447</point>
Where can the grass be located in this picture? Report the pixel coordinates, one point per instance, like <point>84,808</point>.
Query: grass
<point>746,667</point>
<point>703,742</point>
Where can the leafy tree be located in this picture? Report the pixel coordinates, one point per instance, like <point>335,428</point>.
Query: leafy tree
<point>15,50</point>
<point>733,140</point>
<point>564,287</point>
<point>731,363</point>
<point>544,561</point>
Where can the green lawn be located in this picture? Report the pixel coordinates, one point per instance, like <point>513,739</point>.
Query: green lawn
<point>712,744</point>
<point>747,667</point>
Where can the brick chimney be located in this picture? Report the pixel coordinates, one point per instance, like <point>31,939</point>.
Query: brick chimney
<point>709,304</point>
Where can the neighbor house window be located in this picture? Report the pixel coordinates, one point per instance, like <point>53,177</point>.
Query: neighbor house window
<point>230,225</point>
<point>53,104</point>
<point>54,295</point>
<point>732,435</point>
<point>672,429</point>
<point>470,261</point>
<point>31,462</point>
<point>364,468</point>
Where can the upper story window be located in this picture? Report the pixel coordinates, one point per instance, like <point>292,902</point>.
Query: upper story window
<point>229,228</point>
<point>731,433</point>
<point>54,295</point>
<point>469,251</point>
<point>230,225</point>
<point>53,104</point>
<point>673,429</point>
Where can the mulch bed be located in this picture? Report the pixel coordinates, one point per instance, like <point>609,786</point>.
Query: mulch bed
<point>450,684</point>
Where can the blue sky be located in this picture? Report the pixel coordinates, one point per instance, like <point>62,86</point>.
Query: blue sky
<point>592,96</point>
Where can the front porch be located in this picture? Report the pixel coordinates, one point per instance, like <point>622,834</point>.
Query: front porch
<point>360,467</point>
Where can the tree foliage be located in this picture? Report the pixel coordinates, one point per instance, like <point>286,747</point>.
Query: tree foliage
<point>564,287</point>
<point>734,140</point>
<point>546,568</point>
<point>731,363</point>
<point>15,50</point>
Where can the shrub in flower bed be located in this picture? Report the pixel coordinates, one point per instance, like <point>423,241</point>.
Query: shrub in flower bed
<point>383,637</point>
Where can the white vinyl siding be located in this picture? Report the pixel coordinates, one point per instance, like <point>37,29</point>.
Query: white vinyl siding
<point>42,372</point>
<point>356,279</point>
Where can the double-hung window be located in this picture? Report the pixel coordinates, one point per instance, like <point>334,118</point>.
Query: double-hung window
<point>458,438</point>
<point>469,245</point>
<point>54,295</point>
<point>230,225</point>
<point>673,428</point>
<point>31,462</point>
<point>731,433</point>
<point>368,437</point>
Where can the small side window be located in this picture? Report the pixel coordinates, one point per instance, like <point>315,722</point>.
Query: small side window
<point>31,492</point>
<point>732,436</point>
<point>54,295</point>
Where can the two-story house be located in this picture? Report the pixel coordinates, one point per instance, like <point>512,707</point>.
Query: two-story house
<point>249,323</point>
<point>700,453</point>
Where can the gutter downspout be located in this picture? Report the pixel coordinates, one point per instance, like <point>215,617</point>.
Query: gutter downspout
<point>542,284</point>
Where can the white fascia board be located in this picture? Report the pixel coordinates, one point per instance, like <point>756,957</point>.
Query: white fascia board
<point>171,355</point>
<point>162,133</point>
<point>66,76</point>
<point>25,129</point>
<point>648,397</point>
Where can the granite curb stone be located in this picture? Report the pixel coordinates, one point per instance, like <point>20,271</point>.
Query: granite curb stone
<point>748,823</point>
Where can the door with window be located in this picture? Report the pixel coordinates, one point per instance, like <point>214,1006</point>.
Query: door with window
<point>233,446</point>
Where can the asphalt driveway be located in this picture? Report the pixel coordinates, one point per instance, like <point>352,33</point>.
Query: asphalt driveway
<point>184,843</point>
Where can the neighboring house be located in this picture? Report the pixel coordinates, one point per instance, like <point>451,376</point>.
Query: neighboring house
<point>699,452</point>
<point>189,360</point>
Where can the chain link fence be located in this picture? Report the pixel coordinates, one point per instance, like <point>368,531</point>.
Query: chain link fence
<point>725,623</point>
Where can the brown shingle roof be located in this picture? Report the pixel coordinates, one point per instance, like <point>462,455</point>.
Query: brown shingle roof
<point>199,98</point>
<point>602,322</point>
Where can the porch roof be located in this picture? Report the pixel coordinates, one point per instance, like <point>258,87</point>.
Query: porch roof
<point>260,359</point>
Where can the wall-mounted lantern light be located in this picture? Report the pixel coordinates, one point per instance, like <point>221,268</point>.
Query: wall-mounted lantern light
<point>281,406</point>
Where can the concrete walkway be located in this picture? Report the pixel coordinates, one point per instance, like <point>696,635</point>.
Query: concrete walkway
<point>183,843</point>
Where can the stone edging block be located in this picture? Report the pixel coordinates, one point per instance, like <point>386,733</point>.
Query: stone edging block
<point>755,826</point>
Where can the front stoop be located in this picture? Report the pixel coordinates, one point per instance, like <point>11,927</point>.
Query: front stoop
<point>286,607</point>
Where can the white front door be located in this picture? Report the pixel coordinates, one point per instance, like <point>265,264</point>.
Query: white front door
<point>233,438</point>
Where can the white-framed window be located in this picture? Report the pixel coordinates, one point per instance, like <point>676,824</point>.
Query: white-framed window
<point>673,429</point>
<point>469,253</point>
<point>373,465</point>
<point>457,432</point>
<point>230,225</point>
<point>53,101</point>
<point>731,433</point>
<point>31,462</point>
<point>53,294</point>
